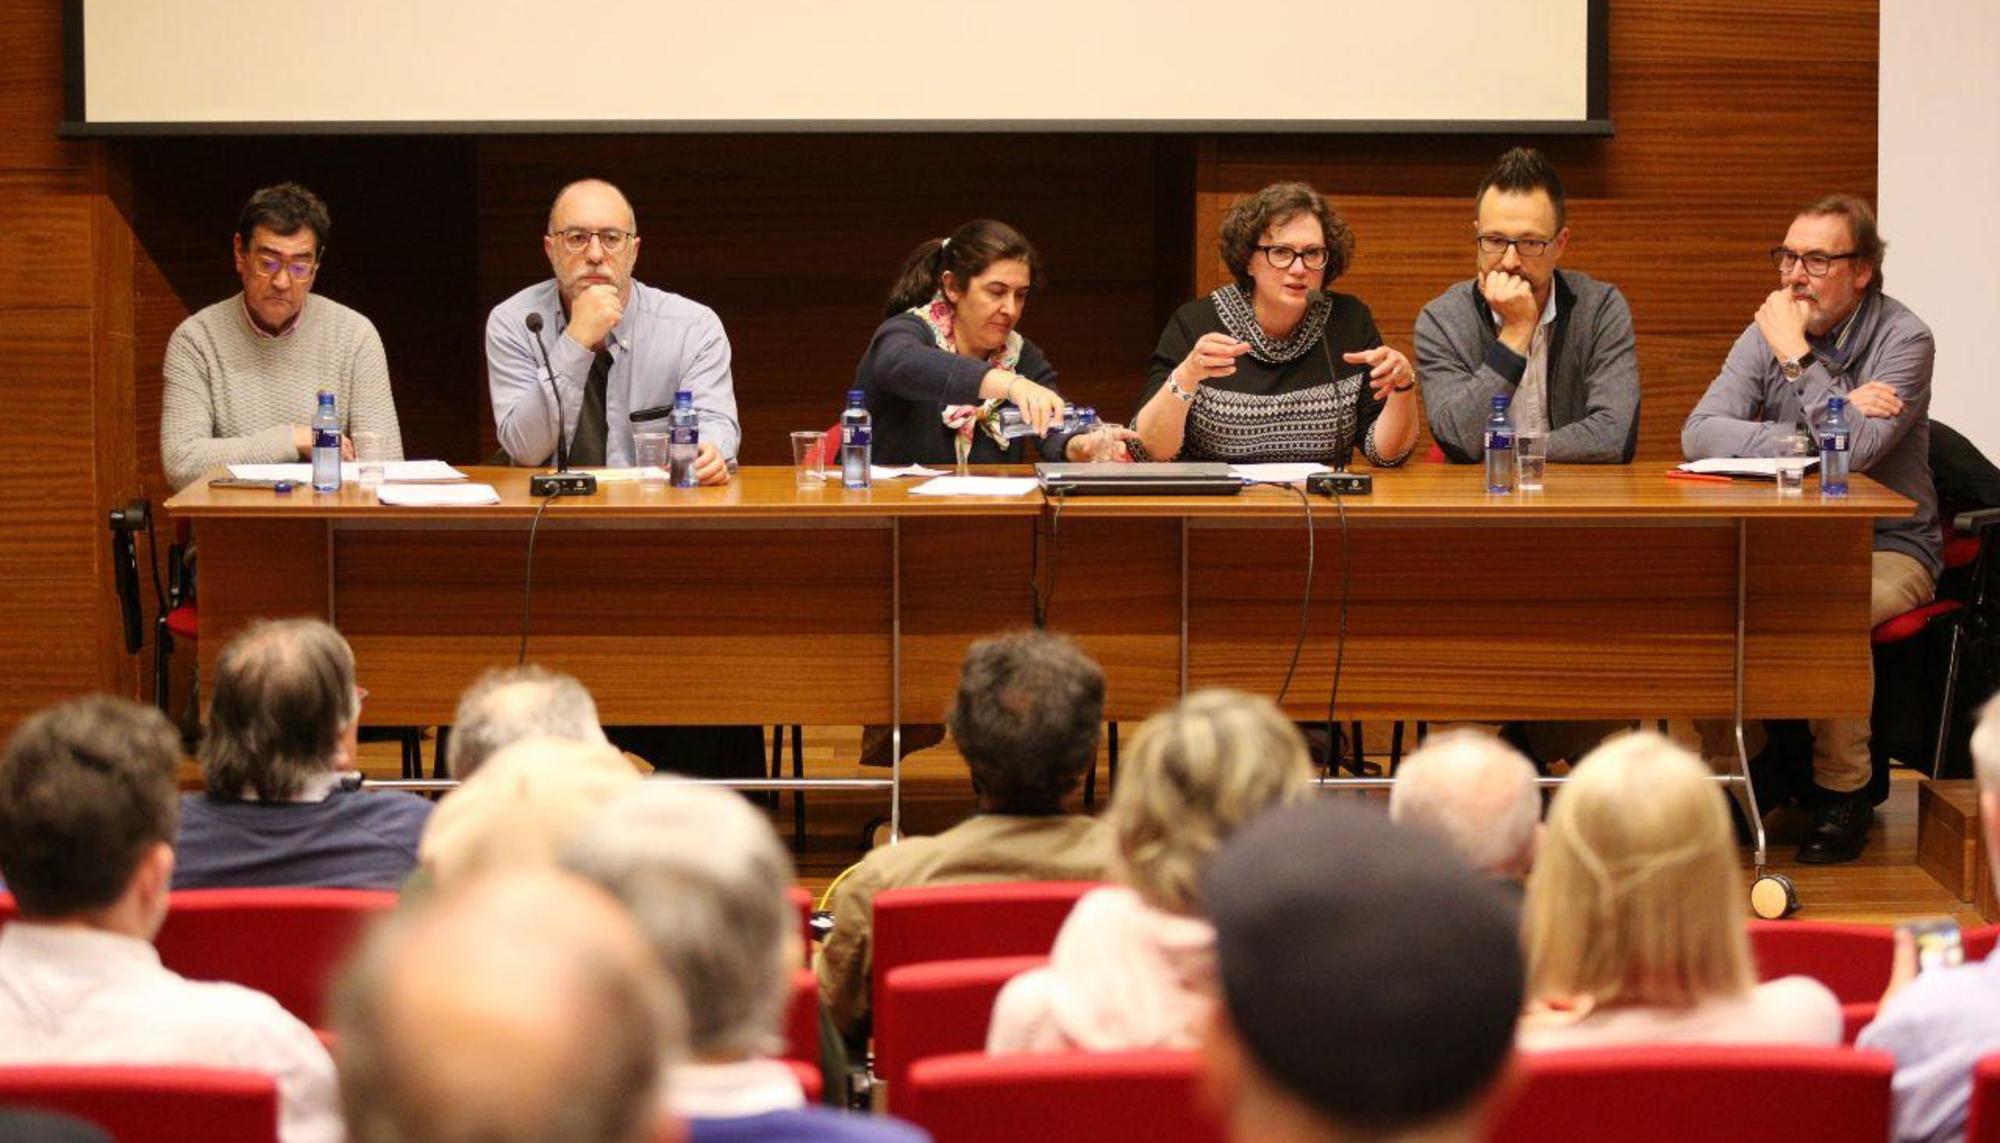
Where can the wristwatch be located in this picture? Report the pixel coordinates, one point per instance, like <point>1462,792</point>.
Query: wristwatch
<point>1792,367</point>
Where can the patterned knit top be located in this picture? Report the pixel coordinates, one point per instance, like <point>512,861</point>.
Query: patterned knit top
<point>1313,407</point>
<point>232,393</point>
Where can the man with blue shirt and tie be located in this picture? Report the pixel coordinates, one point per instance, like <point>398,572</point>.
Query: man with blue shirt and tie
<point>615,345</point>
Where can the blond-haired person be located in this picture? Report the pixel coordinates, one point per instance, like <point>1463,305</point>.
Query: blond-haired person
<point>1133,966</point>
<point>1634,921</point>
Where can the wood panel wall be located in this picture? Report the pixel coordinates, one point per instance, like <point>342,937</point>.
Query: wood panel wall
<point>65,385</point>
<point>1728,119</point>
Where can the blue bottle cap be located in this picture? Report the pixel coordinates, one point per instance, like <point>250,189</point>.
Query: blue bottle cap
<point>856,397</point>
<point>684,399</point>
<point>1500,401</point>
<point>1835,404</point>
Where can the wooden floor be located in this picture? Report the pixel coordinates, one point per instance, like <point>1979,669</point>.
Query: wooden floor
<point>1884,885</point>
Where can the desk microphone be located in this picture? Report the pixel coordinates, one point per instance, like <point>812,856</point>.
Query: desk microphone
<point>562,481</point>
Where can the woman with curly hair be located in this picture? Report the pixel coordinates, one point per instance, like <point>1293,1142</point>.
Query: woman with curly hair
<point>1274,366</point>
<point>1134,963</point>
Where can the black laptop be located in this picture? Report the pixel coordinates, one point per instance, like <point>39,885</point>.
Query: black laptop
<point>1174,479</point>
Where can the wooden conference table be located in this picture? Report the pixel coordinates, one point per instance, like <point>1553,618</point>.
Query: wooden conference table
<point>1615,593</point>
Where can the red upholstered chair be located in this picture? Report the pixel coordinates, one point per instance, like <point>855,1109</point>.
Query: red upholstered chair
<point>1717,1094</point>
<point>803,902</point>
<point>1982,1124</point>
<point>810,1081</point>
<point>1978,943</point>
<point>1065,1097</point>
<point>936,1009</point>
<point>960,922</point>
<point>7,909</point>
<point>288,943</point>
<point>152,1104</point>
<point>1851,960</point>
<point>802,1019</point>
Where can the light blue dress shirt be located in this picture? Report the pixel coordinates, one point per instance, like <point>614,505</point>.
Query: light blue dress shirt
<point>1937,1028</point>
<point>663,343</point>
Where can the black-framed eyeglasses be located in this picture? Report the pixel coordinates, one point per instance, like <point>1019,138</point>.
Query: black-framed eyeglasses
<point>1498,243</point>
<point>300,268</point>
<point>1817,265</point>
<point>1282,257</point>
<point>576,239</point>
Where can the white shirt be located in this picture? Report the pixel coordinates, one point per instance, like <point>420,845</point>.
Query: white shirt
<point>731,1091</point>
<point>1530,406</point>
<point>86,996</point>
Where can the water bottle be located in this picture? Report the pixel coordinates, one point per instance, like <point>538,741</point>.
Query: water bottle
<point>1833,448</point>
<point>1014,426</point>
<point>683,441</point>
<point>326,445</point>
<point>857,442</point>
<point>1500,447</point>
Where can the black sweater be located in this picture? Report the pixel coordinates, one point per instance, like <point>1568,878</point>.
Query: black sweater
<point>908,381</point>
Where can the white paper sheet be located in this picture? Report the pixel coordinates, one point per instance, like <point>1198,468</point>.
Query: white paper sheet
<point>889,472</point>
<point>395,471</point>
<point>977,486</point>
<point>1277,473</point>
<point>437,495</point>
<point>1761,467</point>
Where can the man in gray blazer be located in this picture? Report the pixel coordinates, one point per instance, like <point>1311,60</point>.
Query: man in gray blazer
<point>1557,343</point>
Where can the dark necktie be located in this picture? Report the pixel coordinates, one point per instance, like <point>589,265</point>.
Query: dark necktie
<point>587,447</point>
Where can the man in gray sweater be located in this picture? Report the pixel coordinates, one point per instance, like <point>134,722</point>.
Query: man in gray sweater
<point>243,376</point>
<point>1829,331</point>
<point>1557,343</point>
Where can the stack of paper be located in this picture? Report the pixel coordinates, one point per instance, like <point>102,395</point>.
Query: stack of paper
<point>437,495</point>
<point>399,471</point>
<point>1757,467</point>
<point>1276,473</point>
<point>977,486</point>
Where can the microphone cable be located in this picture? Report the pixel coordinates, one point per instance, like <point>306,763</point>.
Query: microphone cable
<point>1340,637</point>
<point>1305,596</point>
<point>528,578</point>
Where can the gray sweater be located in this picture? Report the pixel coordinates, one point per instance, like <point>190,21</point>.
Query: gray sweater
<point>1593,372</point>
<point>1750,407</point>
<point>233,393</point>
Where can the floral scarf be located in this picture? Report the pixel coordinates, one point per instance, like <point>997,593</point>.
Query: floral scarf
<point>962,419</point>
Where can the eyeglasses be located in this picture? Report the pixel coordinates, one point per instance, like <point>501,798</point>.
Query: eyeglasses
<point>1498,243</point>
<point>576,239</point>
<point>1281,257</point>
<point>299,269</point>
<point>1817,265</point>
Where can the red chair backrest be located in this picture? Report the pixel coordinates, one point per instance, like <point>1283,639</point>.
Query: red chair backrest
<point>1064,1097</point>
<point>803,902</point>
<point>287,943</point>
<point>1852,960</point>
<point>1982,1124</point>
<point>7,909</point>
<point>960,922</point>
<point>1856,1016</point>
<point>1978,943</point>
<point>936,1009</point>
<point>152,1104</point>
<point>1715,1093</point>
<point>802,1018</point>
<point>810,1081</point>
<point>829,445</point>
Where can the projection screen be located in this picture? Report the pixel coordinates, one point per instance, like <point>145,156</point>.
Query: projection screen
<point>436,66</point>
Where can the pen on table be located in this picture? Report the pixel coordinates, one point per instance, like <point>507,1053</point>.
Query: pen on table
<point>1703,477</point>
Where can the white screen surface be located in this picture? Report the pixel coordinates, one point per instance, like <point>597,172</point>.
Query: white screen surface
<point>671,64</point>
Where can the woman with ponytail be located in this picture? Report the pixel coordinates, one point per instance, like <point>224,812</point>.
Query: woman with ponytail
<point>947,356</point>
<point>1634,916</point>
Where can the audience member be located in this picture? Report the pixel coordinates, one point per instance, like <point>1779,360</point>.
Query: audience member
<point>705,877</point>
<point>522,1008</point>
<point>507,704</point>
<point>282,807</point>
<point>1939,1024</point>
<point>1342,938</point>
<point>1477,793</point>
<point>1027,721</point>
<point>1634,915</point>
<point>87,812</point>
<point>1134,965</point>
<point>521,809</point>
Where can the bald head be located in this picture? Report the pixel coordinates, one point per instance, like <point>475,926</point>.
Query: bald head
<point>1478,794</point>
<point>521,1009</point>
<point>513,704</point>
<point>593,197</point>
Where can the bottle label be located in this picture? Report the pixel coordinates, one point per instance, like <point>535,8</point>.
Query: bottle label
<point>326,438</point>
<point>684,435</point>
<point>1833,442</point>
<point>1497,440</point>
<point>854,435</point>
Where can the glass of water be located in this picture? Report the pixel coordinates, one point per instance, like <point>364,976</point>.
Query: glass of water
<point>1531,459</point>
<point>649,453</point>
<point>1794,455</point>
<point>368,459</point>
